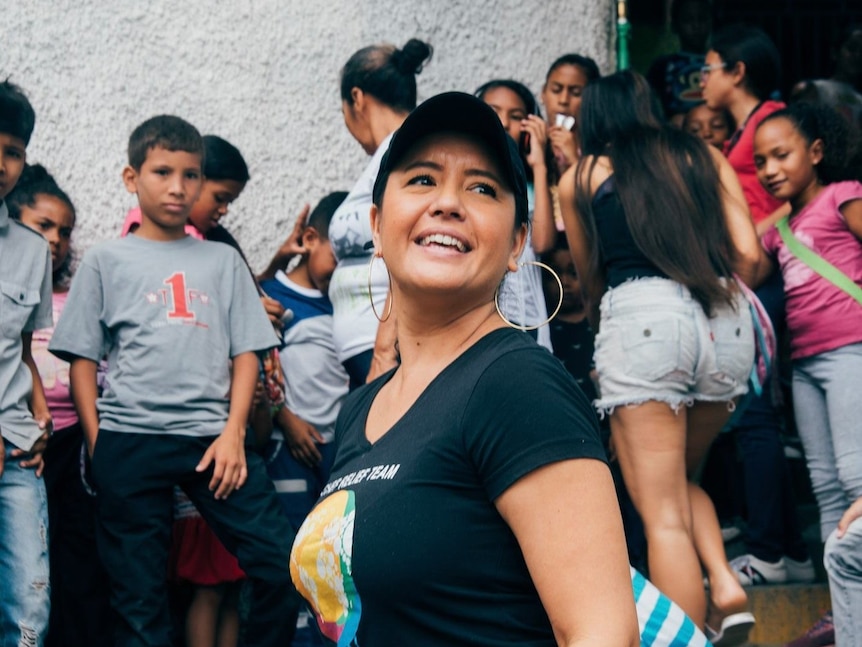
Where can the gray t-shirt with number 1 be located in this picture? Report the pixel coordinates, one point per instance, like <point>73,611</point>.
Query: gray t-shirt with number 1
<point>169,316</point>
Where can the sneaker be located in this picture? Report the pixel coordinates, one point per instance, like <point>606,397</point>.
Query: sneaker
<point>800,572</point>
<point>729,533</point>
<point>821,634</point>
<point>752,571</point>
<point>733,631</point>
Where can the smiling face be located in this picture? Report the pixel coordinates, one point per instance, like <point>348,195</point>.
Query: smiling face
<point>167,184</point>
<point>52,218</point>
<point>786,163</point>
<point>213,203</point>
<point>446,224</point>
<point>562,92</point>
<point>509,107</point>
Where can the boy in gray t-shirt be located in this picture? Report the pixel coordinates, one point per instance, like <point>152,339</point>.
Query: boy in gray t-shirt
<point>181,324</point>
<point>25,306</point>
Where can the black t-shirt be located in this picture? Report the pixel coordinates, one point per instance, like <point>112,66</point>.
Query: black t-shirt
<point>405,546</point>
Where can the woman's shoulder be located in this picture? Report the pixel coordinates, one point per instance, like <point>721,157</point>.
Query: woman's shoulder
<point>591,171</point>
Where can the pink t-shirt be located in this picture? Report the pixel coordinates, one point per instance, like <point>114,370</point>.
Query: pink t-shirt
<point>741,158</point>
<point>820,316</point>
<point>133,219</point>
<point>54,372</point>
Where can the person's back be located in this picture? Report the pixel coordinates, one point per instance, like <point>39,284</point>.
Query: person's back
<point>25,306</point>
<point>181,324</point>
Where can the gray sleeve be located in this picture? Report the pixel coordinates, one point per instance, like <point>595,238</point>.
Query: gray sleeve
<point>43,316</point>
<point>79,332</point>
<point>250,329</point>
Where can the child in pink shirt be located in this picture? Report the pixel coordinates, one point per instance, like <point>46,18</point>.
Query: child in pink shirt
<point>802,155</point>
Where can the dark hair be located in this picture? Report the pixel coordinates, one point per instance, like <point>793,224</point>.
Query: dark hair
<point>163,131</point>
<point>840,140</point>
<point>668,186</point>
<point>588,65</point>
<point>676,10</point>
<point>751,46</point>
<point>532,108</point>
<point>223,161</point>
<point>386,73</point>
<point>16,114</point>
<point>605,116</point>
<point>530,104</point>
<point>724,112</point>
<point>36,181</point>
<point>322,214</point>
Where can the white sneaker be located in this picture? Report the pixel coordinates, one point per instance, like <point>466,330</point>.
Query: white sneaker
<point>802,572</point>
<point>752,571</point>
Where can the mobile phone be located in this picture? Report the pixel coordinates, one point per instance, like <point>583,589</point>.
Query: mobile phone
<point>524,143</point>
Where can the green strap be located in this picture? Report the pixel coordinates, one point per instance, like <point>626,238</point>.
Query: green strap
<point>816,262</point>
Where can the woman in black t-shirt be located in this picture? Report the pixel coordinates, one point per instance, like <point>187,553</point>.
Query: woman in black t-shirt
<point>470,502</point>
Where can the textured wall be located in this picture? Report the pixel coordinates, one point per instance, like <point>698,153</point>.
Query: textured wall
<point>262,74</point>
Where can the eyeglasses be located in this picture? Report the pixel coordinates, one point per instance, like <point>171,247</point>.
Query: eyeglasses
<point>706,70</point>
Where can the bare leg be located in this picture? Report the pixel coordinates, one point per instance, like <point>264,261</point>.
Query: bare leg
<point>726,595</point>
<point>650,441</point>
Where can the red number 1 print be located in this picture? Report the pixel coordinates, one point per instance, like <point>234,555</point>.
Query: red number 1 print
<point>177,281</point>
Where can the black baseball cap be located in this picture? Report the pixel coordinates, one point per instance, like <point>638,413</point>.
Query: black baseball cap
<point>460,113</point>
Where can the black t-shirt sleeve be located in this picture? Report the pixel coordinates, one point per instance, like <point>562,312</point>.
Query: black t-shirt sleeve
<point>526,411</point>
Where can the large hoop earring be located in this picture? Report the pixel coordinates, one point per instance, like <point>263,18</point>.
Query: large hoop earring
<point>371,298</point>
<point>546,321</point>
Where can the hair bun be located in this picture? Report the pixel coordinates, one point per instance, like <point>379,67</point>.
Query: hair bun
<point>411,58</point>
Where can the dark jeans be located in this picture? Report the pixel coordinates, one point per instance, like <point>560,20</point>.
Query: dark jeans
<point>135,475</point>
<point>773,527</point>
<point>81,614</point>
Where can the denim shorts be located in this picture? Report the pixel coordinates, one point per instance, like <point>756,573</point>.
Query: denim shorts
<point>656,343</point>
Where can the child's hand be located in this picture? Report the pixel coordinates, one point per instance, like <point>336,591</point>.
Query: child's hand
<point>853,513</point>
<point>563,142</point>
<point>538,137</point>
<point>301,438</point>
<point>33,457</point>
<point>227,453</point>
<point>292,246</point>
<point>274,310</point>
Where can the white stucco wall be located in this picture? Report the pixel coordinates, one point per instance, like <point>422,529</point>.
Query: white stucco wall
<point>263,74</point>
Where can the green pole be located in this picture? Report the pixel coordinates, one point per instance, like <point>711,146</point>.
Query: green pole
<point>623,34</point>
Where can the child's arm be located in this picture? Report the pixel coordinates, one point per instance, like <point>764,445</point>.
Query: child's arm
<point>39,408</point>
<point>852,212</point>
<point>85,391</point>
<point>260,419</point>
<point>292,246</point>
<point>544,230</point>
<point>301,437</point>
<point>227,452</point>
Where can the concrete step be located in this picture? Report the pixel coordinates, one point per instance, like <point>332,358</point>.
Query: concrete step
<point>785,611</point>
